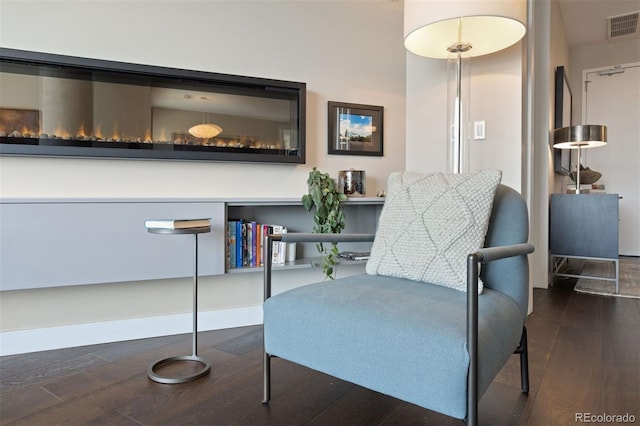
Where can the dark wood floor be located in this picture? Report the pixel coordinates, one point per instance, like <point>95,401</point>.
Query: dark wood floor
<point>584,358</point>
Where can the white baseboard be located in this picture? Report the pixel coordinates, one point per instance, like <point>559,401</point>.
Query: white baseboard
<point>42,339</point>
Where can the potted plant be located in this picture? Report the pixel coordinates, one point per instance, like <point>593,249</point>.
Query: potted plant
<point>324,196</point>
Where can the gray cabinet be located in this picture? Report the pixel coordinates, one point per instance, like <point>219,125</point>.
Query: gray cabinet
<point>55,243</point>
<point>584,226</point>
<point>63,242</point>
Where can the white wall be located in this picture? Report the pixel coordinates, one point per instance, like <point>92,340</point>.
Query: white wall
<point>597,55</point>
<point>551,50</point>
<point>345,51</point>
<point>559,56</point>
<point>497,85</point>
<point>496,97</point>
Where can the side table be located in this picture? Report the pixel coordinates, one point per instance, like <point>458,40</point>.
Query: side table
<point>584,226</point>
<point>206,366</point>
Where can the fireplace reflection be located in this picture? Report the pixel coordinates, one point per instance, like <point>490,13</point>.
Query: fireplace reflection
<point>67,107</point>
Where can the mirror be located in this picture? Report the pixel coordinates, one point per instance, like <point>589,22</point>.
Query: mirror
<point>562,118</point>
<point>65,106</point>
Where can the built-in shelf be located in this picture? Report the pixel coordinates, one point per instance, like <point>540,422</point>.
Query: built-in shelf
<point>79,241</point>
<point>302,263</point>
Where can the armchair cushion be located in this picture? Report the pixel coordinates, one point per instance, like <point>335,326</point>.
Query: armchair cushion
<point>430,223</point>
<point>395,336</point>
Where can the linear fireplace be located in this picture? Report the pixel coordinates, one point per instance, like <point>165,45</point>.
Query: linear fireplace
<point>53,105</point>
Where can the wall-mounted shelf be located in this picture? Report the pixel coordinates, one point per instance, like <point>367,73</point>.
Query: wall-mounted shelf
<point>301,263</point>
<point>63,242</point>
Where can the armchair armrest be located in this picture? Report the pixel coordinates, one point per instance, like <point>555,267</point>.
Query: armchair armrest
<point>484,255</point>
<point>489,254</point>
<point>300,237</point>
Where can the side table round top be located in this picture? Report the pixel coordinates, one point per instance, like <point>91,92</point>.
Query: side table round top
<point>198,230</point>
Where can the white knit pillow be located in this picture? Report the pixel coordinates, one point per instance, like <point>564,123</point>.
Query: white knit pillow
<point>430,223</point>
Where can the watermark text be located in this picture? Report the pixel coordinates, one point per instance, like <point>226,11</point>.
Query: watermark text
<point>604,418</point>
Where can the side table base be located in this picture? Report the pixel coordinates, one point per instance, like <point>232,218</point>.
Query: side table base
<point>179,379</point>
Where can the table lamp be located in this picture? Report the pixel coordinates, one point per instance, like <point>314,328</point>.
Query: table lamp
<point>578,137</point>
<point>457,30</point>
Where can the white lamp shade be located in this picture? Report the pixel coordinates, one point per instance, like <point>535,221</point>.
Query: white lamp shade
<point>432,26</point>
<point>205,131</point>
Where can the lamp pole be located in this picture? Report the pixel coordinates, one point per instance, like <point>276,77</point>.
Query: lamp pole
<point>457,132</point>
<point>457,149</point>
<point>578,171</point>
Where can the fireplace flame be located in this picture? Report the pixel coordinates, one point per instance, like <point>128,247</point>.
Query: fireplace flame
<point>98,134</point>
<point>60,132</point>
<point>81,132</point>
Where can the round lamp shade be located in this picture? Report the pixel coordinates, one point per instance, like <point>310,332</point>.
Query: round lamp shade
<point>205,131</point>
<point>436,28</point>
<point>581,136</point>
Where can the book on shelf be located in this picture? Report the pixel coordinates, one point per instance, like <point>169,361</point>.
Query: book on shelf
<point>355,255</point>
<point>279,251</point>
<point>254,244</point>
<point>239,243</point>
<point>248,251</point>
<point>245,244</point>
<point>177,223</point>
<point>231,244</point>
<point>245,240</point>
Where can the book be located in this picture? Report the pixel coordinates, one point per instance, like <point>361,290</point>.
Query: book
<point>355,255</point>
<point>259,236</point>
<point>232,243</point>
<point>177,223</point>
<point>266,229</point>
<point>245,243</point>
<point>582,186</point>
<point>254,244</point>
<point>239,243</point>
<point>249,249</point>
<point>279,248</point>
<point>245,246</point>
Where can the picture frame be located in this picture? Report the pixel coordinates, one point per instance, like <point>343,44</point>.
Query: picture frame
<point>563,110</point>
<point>355,129</point>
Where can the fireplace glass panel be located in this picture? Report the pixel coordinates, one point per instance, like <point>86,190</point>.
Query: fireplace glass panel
<point>63,106</point>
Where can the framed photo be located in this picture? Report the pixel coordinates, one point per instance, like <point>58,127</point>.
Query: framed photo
<point>562,118</point>
<point>355,129</point>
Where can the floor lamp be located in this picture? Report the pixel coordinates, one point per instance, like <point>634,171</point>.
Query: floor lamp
<point>458,30</point>
<point>578,137</point>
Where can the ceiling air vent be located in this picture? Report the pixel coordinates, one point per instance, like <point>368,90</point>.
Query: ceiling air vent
<point>623,25</point>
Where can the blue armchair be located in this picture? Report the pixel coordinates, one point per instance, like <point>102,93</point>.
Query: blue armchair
<point>430,345</point>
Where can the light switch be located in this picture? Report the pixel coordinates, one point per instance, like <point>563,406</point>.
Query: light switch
<point>479,130</point>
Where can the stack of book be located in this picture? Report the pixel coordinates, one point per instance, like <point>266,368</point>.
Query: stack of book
<point>177,223</point>
<point>244,243</point>
<point>586,188</point>
<point>355,255</point>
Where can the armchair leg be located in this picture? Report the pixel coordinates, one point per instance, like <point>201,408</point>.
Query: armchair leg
<point>266,371</point>
<point>523,350</point>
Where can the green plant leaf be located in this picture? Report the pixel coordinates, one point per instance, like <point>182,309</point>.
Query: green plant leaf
<point>328,215</point>
<point>307,202</point>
